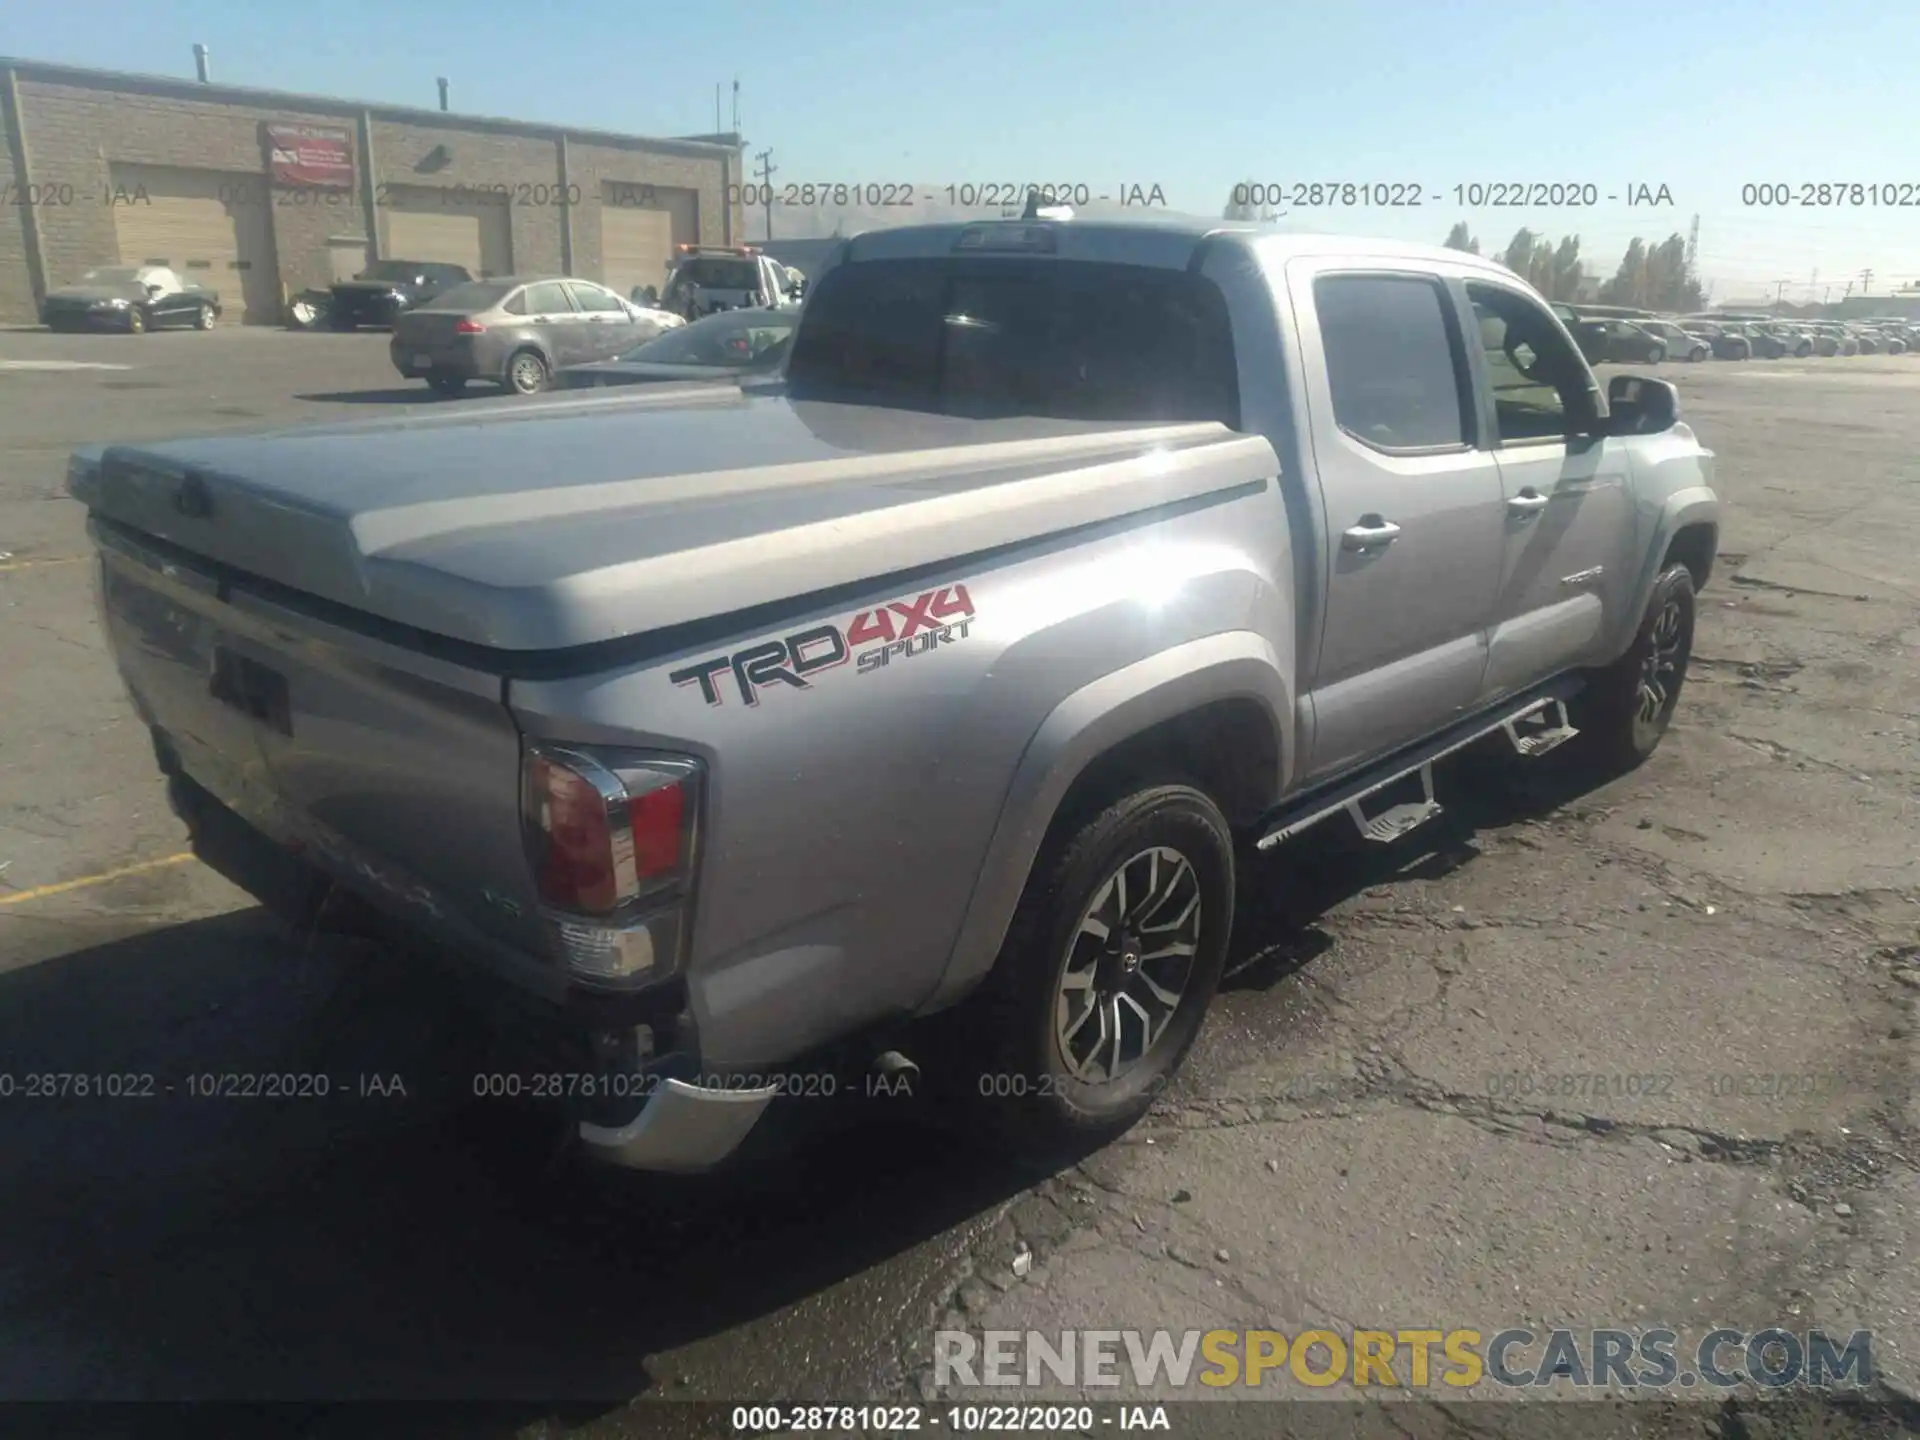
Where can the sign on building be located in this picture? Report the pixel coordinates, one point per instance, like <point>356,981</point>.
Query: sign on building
<point>315,156</point>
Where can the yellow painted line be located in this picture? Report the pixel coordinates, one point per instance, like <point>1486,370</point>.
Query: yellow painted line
<point>40,564</point>
<point>39,892</point>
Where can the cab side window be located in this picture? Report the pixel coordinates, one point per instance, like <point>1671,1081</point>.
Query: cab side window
<point>1538,380</point>
<point>1395,366</point>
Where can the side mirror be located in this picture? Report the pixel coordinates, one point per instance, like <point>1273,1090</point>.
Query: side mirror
<point>1639,405</point>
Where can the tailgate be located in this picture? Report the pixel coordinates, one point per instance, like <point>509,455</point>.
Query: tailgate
<point>396,771</point>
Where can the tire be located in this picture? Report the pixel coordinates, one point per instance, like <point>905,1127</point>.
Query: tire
<point>1801,352</point>
<point>448,385</point>
<point>1656,354</point>
<point>527,373</point>
<point>1626,707</point>
<point>136,322</point>
<point>1698,354</point>
<point>204,320</point>
<point>1019,1063</point>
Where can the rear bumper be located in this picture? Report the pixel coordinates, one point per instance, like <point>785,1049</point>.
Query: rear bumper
<point>644,1118</point>
<point>681,1129</point>
<point>476,357</point>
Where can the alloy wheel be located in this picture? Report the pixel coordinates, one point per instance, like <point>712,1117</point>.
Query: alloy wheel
<point>1660,672</point>
<point>1127,965</point>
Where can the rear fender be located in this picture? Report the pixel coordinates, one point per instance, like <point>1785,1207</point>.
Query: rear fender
<point>1233,665</point>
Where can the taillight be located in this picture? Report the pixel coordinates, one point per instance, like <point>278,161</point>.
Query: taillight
<point>606,829</point>
<point>610,836</point>
<point>469,327</point>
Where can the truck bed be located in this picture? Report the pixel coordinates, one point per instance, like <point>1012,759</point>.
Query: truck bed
<point>536,530</point>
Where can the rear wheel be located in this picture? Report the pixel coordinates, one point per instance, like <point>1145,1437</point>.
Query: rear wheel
<point>1103,983</point>
<point>204,319</point>
<point>1626,708</point>
<point>527,373</point>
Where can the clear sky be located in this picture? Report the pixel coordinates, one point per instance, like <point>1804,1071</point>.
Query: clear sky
<point>1702,96</point>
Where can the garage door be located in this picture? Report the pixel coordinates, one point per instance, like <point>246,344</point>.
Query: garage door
<point>635,245</point>
<point>426,222</point>
<point>189,221</point>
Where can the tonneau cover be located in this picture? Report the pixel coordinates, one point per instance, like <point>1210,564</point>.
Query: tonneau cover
<point>567,523</point>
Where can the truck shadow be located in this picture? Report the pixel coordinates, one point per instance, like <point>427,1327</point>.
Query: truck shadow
<point>1284,892</point>
<point>403,1242</point>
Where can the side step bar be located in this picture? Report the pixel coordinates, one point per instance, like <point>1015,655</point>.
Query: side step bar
<point>1344,797</point>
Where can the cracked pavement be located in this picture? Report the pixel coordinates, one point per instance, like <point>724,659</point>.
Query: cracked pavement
<point>1626,1055</point>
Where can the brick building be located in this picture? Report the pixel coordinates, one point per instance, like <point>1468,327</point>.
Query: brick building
<point>260,194</point>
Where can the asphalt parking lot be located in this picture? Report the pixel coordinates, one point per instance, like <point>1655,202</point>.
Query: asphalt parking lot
<point>1590,1056</point>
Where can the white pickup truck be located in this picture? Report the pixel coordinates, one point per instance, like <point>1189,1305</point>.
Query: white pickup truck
<point>929,694</point>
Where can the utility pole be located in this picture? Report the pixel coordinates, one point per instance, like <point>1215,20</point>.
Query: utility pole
<point>1779,289</point>
<point>736,107</point>
<point>767,171</point>
<point>1866,282</point>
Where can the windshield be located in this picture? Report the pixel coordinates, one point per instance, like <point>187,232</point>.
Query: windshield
<point>715,273</point>
<point>112,275</point>
<point>979,337</point>
<point>739,337</point>
<point>476,295</point>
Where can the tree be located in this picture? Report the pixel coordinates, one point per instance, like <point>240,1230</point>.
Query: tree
<point>1458,239</point>
<point>1518,256</point>
<point>1655,278</point>
<point>1565,273</point>
<point>1240,204</point>
<point>1629,282</point>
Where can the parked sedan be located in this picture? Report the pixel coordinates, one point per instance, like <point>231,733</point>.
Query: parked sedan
<point>1626,342</point>
<point>734,345</point>
<point>518,331</point>
<point>1681,343</point>
<point>132,298</point>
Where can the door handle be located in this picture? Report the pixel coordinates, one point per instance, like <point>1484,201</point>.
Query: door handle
<point>1371,531</point>
<point>1527,503</point>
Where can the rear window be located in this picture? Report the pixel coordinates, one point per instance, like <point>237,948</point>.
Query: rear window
<point>990,337</point>
<point>474,296</point>
<point>716,274</point>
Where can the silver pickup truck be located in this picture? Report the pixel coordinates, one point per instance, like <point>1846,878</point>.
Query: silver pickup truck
<point>933,690</point>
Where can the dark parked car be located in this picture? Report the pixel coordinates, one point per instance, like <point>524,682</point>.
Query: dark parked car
<point>1626,342</point>
<point>517,331</point>
<point>387,289</point>
<point>132,298</point>
<point>734,346</point>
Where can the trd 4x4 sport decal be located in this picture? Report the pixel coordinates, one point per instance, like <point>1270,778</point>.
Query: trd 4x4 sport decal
<point>903,627</point>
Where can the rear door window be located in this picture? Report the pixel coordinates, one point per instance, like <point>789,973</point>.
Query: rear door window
<point>1394,364</point>
<point>548,297</point>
